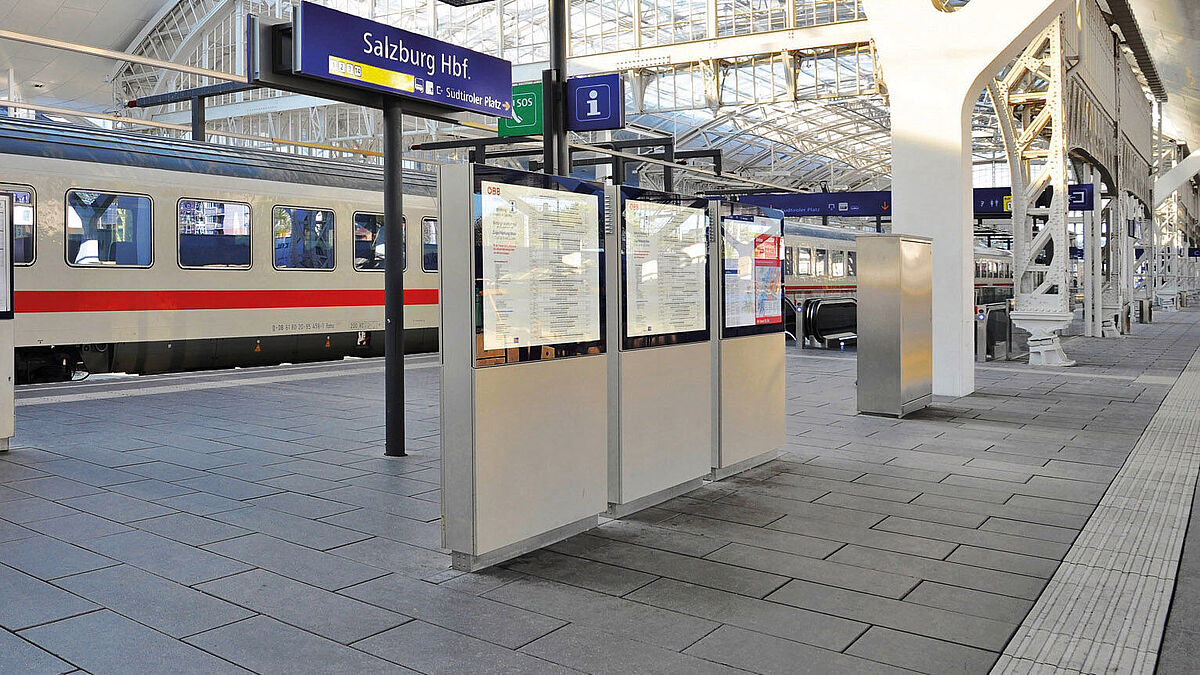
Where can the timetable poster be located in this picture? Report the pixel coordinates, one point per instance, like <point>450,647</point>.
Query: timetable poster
<point>541,266</point>
<point>666,256</point>
<point>752,273</point>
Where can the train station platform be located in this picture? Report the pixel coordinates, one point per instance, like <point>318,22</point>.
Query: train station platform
<point>213,522</point>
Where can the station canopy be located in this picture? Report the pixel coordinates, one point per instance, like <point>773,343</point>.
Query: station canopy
<point>798,108</point>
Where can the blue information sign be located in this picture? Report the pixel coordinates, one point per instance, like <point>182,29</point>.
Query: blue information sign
<point>988,202</point>
<point>596,102</point>
<point>347,49</point>
<point>1194,252</point>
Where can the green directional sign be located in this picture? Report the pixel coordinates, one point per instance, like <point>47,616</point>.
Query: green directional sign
<point>527,111</point>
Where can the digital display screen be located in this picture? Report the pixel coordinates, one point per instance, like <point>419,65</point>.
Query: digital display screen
<point>752,276</point>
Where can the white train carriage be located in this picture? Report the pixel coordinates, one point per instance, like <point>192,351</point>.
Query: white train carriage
<point>148,255</point>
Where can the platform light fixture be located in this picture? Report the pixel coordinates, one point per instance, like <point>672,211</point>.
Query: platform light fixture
<point>463,3</point>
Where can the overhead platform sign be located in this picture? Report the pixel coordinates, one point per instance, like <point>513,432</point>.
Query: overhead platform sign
<point>988,202</point>
<point>350,50</point>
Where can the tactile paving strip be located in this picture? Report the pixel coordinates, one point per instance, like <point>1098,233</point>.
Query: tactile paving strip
<point>1105,608</point>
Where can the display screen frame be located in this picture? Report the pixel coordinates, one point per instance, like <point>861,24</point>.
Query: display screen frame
<point>745,212</point>
<point>497,357</point>
<point>629,343</point>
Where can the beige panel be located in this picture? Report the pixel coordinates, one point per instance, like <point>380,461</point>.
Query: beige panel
<point>752,397</point>
<point>541,448</point>
<point>665,419</point>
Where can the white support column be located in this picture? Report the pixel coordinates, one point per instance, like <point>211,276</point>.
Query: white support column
<point>933,91</point>
<point>1091,259</point>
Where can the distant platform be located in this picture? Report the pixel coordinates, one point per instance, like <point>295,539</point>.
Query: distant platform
<point>203,521</point>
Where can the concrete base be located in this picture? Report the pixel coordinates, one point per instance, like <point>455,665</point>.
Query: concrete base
<point>622,510</point>
<point>1167,297</point>
<point>465,562</point>
<point>4,444</point>
<point>1045,347</point>
<point>744,465</point>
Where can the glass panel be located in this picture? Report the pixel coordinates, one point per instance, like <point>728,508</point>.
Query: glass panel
<point>838,268</point>
<point>804,266</point>
<point>108,229</point>
<point>789,261</point>
<point>23,218</point>
<point>429,244</point>
<point>822,262</point>
<point>370,240</point>
<point>851,263</point>
<point>214,234</point>
<point>303,238</point>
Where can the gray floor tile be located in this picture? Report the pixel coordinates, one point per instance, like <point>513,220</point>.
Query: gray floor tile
<point>580,572</point>
<point>434,650</point>
<point>906,510</point>
<point>104,642</point>
<point>903,616</point>
<point>151,489</point>
<point>386,502</point>
<point>86,472</point>
<point>967,601</point>
<point>54,488</point>
<point>327,614</point>
<point>202,503</point>
<point>485,619</point>
<point>792,623</point>
<point>954,574</point>
<point>774,540</point>
<point>47,558</point>
<point>298,530</point>
<point>1002,560</point>
<point>167,558</point>
<point>901,543</point>
<point>826,572</point>
<point>761,653</point>
<point>982,538</point>
<point>594,651</point>
<point>30,509</point>
<point>644,534</point>
<point>922,654</point>
<point>77,528</point>
<point>415,532</point>
<point>163,471</point>
<point>396,556</point>
<point>163,605</point>
<point>672,565</point>
<point>320,469</point>
<point>304,506</point>
<point>19,656</point>
<point>118,507</point>
<point>189,529</point>
<point>625,618</point>
<point>303,484</point>
<point>296,562</point>
<point>265,645</point>
<point>39,603</point>
<point>230,488</point>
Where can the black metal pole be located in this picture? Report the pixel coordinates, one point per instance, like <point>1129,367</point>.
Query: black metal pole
<point>393,276</point>
<point>549,136</point>
<point>198,119</point>
<point>558,63</point>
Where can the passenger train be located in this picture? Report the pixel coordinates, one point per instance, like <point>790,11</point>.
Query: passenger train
<point>144,255</point>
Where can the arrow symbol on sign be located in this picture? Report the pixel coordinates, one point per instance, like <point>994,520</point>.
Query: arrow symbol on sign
<point>886,206</point>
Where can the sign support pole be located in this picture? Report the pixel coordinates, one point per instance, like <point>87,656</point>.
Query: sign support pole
<point>558,64</point>
<point>393,275</point>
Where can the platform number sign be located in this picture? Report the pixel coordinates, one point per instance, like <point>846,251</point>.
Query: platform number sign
<point>527,112</point>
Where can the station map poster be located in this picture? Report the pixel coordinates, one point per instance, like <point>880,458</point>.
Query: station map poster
<point>752,275</point>
<point>6,261</point>
<point>541,266</point>
<point>666,270</point>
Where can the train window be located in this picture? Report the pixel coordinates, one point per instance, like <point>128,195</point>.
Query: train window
<point>429,244</point>
<point>303,238</point>
<point>108,229</point>
<point>214,234</point>
<point>838,268</point>
<point>804,266</point>
<point>851,264</point>
<point>822,267</point>
<point>369,242</point>
<point>22,214</point>
<point>789,260</point>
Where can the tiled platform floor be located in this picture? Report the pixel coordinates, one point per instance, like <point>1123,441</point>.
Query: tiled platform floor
<point>206,522</point>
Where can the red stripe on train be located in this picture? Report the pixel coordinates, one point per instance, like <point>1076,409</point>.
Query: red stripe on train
<point>34,302</point>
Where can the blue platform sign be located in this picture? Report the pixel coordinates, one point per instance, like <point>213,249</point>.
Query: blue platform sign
<point>347,49</point>
<point>1194,252</point>
<point>596,102</point>
<point>856,204</point>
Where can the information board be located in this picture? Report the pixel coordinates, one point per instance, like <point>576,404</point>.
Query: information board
<point>752,275</point>
<point>6,261</point>
<point>665,268</point>
<point>541,266</point>
<point>348,49</point>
